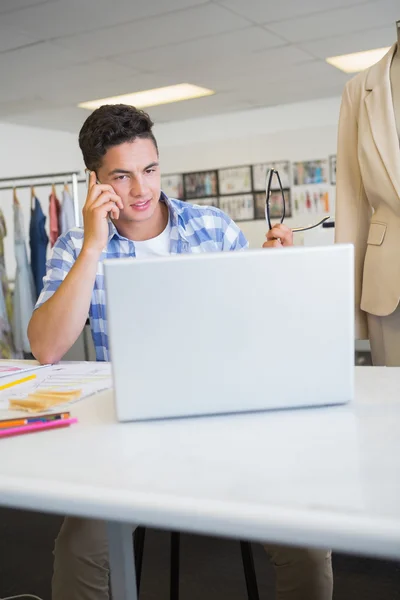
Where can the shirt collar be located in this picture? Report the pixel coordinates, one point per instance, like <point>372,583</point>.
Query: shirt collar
<point>174,216</point>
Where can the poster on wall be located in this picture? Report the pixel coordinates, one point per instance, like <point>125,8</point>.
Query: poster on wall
<point>311,199</point>
<point>260,174</point>
<point>172,185</point>
<point>275,204</point>
<point>239,207</point>
<point>210,201</point>
<point>332,169</point>
<point>234,181</point>
<point>310,172</point>
<point>200,184</point>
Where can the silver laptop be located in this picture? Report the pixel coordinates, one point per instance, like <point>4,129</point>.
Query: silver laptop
<point>231,332</point>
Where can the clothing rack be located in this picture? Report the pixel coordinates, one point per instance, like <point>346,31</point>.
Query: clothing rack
<point>36,181</point>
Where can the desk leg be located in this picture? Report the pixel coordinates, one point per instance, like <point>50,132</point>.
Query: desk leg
<point>122,565</point>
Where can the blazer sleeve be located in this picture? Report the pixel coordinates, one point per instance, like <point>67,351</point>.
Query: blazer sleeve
<point>353,212</point>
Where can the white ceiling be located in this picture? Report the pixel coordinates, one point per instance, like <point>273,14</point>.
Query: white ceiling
<point>56,53</point>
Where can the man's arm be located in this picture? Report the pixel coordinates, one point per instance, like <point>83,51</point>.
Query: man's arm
<point>57,324</point>
<point>233,239</point>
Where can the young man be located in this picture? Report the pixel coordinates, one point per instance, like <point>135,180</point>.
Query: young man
<point>126,214</point>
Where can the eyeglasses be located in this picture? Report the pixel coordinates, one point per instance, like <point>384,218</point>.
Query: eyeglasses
<point>268,185</point>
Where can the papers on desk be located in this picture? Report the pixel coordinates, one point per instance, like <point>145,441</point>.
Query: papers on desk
<point>57,386</point>
<point>10,368</point>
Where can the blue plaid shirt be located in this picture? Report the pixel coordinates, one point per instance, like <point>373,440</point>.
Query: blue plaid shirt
<point>193,229</point>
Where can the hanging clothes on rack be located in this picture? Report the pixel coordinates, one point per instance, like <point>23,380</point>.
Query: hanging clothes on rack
<point>67,212</point>
<point>50,179</point>
<point>6,340</point>
<point>54,216</point>
<point>24,289</point>
<point>38,240</point>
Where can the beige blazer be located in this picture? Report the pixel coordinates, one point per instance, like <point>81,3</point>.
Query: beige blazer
<point>368,190</point>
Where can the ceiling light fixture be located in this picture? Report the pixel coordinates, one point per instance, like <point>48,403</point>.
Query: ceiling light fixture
<point>163,95</point>
<point>359,61</point>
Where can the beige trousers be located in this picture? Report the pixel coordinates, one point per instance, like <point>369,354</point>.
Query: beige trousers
<point>384,336</point>
<point>81,566</point>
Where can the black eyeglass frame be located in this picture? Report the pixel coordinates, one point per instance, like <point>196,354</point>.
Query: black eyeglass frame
<point>268,192</point>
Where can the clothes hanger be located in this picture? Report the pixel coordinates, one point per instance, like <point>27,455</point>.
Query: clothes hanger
<point>33,196</point>
<point>15,197</point>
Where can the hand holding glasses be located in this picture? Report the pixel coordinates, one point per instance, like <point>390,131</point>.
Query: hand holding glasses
<point>269,178</point>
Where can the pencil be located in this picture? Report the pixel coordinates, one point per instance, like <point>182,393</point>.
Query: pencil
<point>19,422</point>
<point>36,427</point>
<point>12,383</point>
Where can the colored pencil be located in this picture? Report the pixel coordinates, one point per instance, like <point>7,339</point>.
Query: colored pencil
<point>33,427</point>
<point>17,382</point>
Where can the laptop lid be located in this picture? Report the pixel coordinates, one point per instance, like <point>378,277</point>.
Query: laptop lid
<point>229,332</point>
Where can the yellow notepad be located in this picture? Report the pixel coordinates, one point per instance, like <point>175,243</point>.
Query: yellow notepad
<point>44,399</point>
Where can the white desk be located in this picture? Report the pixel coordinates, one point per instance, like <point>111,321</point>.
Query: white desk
<point>325,477</point>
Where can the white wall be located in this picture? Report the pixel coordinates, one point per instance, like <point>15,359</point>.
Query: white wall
<point>28,150</point>
<point>252,129</point>
<point>304,131</point>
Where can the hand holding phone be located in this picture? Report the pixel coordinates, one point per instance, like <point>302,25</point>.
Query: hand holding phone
<point>101,203</point>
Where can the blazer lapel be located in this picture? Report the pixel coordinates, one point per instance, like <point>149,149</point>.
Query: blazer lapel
<point>380,110</point>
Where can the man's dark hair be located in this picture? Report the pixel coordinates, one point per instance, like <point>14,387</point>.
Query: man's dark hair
<point>111,125</point>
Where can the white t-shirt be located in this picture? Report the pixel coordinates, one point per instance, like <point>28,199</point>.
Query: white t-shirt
<point>158,246</point>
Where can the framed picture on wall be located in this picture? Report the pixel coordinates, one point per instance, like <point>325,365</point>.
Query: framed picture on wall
<point>332,169</point>
<point>276,204</point>
<point>239,207</point>
<point>172,185</point>
<point>211,201</point>
<point>309,199</point>
<point>234,181</point>
<point>201,184</point>
<point>260,174</point>
<point>310,172</point>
